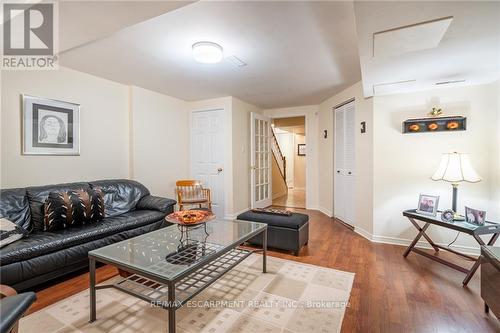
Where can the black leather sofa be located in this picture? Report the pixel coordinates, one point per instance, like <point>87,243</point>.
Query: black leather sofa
<point>42,255</point>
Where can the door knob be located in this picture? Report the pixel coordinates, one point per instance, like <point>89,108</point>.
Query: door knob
<point>219,169</point>
<point>350,173</point>
<point>338,171</point>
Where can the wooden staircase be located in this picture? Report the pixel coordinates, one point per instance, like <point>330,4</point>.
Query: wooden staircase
<point>279,157</point>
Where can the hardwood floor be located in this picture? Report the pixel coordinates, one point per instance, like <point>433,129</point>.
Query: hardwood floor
<point>294,198</point>
<point>390,293</point>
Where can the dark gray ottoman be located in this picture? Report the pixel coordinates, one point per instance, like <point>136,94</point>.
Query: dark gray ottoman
<point>283,232</point>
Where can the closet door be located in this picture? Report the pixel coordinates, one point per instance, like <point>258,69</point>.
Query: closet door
<point>349,163</point>
<point>339,179</point>
<point>344,161</point>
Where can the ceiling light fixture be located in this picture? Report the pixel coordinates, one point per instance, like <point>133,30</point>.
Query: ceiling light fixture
<point>207,52</point>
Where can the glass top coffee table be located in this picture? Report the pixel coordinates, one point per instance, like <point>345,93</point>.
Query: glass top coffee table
<point>170,266</point>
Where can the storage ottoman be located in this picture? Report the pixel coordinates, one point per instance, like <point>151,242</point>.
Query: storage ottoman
<point>283,232</point>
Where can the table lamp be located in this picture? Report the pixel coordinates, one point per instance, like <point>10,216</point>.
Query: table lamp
<point>455,168</point>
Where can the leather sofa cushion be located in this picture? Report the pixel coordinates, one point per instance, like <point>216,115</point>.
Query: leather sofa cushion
<point>23,275</point>
<point>37,196</point>
<point>14,206</point>
<point>295,221</point>
<point>120,195</point>
<point>40,243</point>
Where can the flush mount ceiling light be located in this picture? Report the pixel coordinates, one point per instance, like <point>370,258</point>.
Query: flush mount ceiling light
<point>207,52</point>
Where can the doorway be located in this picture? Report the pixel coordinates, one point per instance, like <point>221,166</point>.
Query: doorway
<point>207,159</point>
<point>289,161</point>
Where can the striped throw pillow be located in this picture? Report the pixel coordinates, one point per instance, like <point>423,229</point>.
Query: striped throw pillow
<point>72,208</point>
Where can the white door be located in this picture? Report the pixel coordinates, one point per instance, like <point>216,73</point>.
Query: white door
<point>344,159</point>
<point>339,179</point>
<point>207,154</point>
<point>261,191</point>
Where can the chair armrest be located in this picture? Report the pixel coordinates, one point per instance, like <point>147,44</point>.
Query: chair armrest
<point>151,202</point>
<point>12,308</point>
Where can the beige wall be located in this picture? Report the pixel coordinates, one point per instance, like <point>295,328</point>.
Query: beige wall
<point>104,123</point>
<point>497,167</point>
<point>241,154</point>
<point>160,142</point>
<point>403,164</point>
<point>363,152</point>
<point>299,164</point>
<point>312,158</point>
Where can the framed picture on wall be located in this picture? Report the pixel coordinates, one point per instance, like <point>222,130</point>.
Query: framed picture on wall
<point>301,149</point>
<point>50,127</point>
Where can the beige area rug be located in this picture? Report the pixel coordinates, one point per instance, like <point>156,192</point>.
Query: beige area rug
<point>291,298</point>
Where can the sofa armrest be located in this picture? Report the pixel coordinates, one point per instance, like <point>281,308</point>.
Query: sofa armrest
<point>151,202</point>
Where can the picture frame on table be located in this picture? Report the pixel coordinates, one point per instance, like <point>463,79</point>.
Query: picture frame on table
<point>428,204</point>
<point>475,216</point>
<point>50,127</point>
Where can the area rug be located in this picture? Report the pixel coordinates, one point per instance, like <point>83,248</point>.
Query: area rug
<point>291,298</point>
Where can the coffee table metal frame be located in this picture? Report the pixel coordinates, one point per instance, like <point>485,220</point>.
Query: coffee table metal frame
<point>171,294</point>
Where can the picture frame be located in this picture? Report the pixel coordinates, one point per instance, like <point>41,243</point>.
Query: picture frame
<point>475,216</point>
<point>448,215</point>
<point>50,127</point>
<point>427,204</point>
<point>301,149</point>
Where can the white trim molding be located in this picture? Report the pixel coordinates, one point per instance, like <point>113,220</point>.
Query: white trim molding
<point>406,242</point>
<point>325,211</point>
<point>400,241</point>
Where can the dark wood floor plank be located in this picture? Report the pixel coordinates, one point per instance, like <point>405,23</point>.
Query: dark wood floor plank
<point>390,293</point>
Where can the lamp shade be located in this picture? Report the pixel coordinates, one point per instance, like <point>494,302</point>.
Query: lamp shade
<point>455,168</point>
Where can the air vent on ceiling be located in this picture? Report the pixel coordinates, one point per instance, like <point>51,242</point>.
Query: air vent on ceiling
<point>393,87</point>
<point>410,38</point>
<point>449,82</point>
<point>236,61</point>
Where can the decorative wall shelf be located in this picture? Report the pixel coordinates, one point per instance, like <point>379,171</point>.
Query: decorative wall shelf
<point>437,124</point>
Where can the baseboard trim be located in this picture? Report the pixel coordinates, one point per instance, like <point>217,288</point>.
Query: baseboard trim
<point>325,211</point>
<point>475,251</point>
<point>406,242</point>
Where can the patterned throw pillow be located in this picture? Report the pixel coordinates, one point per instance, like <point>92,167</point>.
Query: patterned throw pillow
<point>71,208</point>
<point>272,211</point>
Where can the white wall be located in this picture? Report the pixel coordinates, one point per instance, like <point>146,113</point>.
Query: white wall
<point>363,155</point>
<point>104,122</point>
<point>241,154</point>
<point>312,157</point>
<point>160,142</point>
<point>403,164</point>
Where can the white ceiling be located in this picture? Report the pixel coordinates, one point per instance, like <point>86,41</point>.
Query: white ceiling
<point>297,53</point>
<point>81,22</point>
<point>469,49</point>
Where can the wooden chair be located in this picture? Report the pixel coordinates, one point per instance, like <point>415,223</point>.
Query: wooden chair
<point>191,192</point>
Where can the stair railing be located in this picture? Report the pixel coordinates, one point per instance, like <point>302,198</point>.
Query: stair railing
<point>278,156</point>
